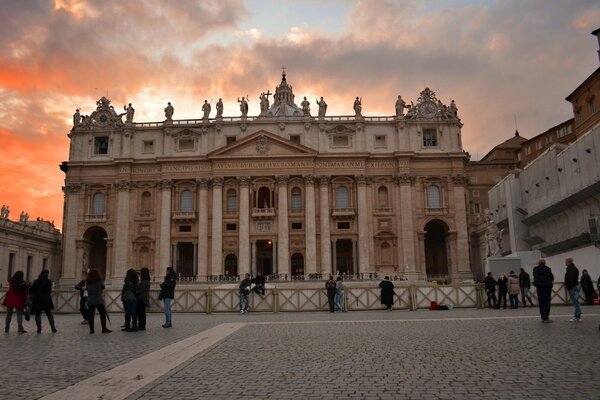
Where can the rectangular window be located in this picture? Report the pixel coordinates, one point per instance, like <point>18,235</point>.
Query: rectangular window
<point>476,208</point>
<point>148,147</point>
<point>380,141</point>
<point>548,139</point>
<point>343,225</point>
<point>185,228</point>
<point>11,264</point>
<point>186,144</point>
<point>230,227</point>
<point>430,138</point>
<point>340,141</point>
<point>295,138</point>
<point>101,145</point>
<point>528,150</point>
<point>592,107</point>
<point>296,225</point>
<point>229,139</point>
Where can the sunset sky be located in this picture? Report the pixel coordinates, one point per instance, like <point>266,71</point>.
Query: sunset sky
<point>497,59</point>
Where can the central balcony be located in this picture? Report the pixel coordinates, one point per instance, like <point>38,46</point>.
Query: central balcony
<point>263,213</point>
<point>183,216</point>
<point>343,213</point>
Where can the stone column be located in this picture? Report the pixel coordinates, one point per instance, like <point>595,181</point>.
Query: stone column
<point>461,267</point>
<point>334,269</point>
<point>244,262</point>
<point>310,229</point>
<point>354,260</point>
<point>363,225</point>
<point>202,228</point>
<point>217,227</point>
<point>274,250</point>
<point>405,226</point>
<point>165,225</point>
<point>122,242</point>
<point>324,225</point>
<point>283,250</point>
<point>71,272</point>
<point>253,257</point>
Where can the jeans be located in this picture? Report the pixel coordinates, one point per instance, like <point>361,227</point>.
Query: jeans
<point>244,301</point>
<point>331,299</point>
<point>168,314</point>
<point>83,309</point>
<point>9,313</point>
<point>514,300</point>
<point>339,301</point>
<point>501,298</point>
<point>491,298</point>
<point>92,312</point>
<point>574,294</point>
<point>130,313</point>
<point>525,295</point>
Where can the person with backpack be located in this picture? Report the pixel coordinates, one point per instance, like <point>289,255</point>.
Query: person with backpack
<point>167,294</point>
<point>331,288</point>
<point>15,300</point>
<point>129,299</point>
<point>41,300</point>
<point>513,290</point>
<point>387,292</point>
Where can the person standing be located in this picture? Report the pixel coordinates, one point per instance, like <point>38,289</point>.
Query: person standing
<point>41,292</point>
<point>587,286</point>
<point>339,294</point>
<point>83,296</point>
<point>143,298</point>
<point>513,290</point>
<point>543,280</point>
<point>15,299</point>
<point>502,289</point>
<point>387,292</point>
<point>167,294</point>
<point>129,299</point>
<point>572,285</point>
<point>95,301</point>
<point>330,287</point>
<point>490,290</point>
<point>525,285</point>
<point>244,292</point>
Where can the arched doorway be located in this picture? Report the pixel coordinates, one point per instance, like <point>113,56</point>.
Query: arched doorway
<point>231,265</point>
<point>436,255</point>
<point>297,264</point>
<point>96,237</point>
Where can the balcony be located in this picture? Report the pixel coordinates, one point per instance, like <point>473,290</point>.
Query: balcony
<point>436,210</point>
<point>230,214</point>
<point>343,213</point>
<point>263,213</point>
<point>95,218</point>
<point>296,211</point>
<point>183,216</point>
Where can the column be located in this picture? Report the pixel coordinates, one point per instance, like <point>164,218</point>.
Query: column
<point>283,253</point>
<point>274,250</point>
<point>254,257</point>
<point>244,228</point>
<point>217,227</point>
<point>70,272</point>
<point>122,241</point>
<point>405,226</point>
<point>354,260</point>
<point>334,270</point>
<point>324,225</point>
<point>202,268</point>
<point>165,225</point>
<point>310,229</point>
<point>461,267</point>
<point>363,225</point>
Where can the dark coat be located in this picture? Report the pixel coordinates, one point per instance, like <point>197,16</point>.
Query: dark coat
<point>542,276</point>
<point>503,285</point>
<point>129,291</point>
<point>586,284</point>
<point>490,284</point>
<point>387,292</point>
<point>245,285</point>
<point>143,293</point>
<point>16,296</point>
<point>41,296</point>
<point>95,293</point>
<point>571,276</point>
<point>524,280</point>
<point>168,287</point>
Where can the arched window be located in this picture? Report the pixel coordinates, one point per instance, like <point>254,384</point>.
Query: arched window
<point>231,265</point>
<point>144,257</point>
<point>186,202</point>
<point>297,264</point>
<point>382,196</point>
<point>296,198</point>
<point>433,197</point>
<point>386,254</point>
<point>264,198</point>
<point>341,197</point>
<point>231,200</point>
<point>146,202</point>
<point>98,204</point>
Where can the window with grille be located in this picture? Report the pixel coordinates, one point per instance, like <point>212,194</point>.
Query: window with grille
<point>341,197</point>
<point>430,138</point>
<point>433,197</point>
<point>186,203</point>
<point>231,200</point>
<point>146,201</point>
<point>382,196</point>
<point>296,199</point>
<point>98,204</point>
<point>101,145</point>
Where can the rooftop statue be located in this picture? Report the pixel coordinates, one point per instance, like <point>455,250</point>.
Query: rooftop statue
<point>76,118</point>
<point>322,107</point>
<point>264,103</point>
<point>358,107</point>
<point>129,111</point>
<point>4,212</point>
<point>205,110</point>
<point>243,106</point>
<point>400,106</point>
<point>305,107</point>
<point>169,112</point>
<point>220,109</point>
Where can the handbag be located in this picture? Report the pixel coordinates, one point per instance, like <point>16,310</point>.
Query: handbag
<point>160,295</point>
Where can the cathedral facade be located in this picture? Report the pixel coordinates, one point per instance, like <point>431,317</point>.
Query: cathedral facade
<point>290,193</point>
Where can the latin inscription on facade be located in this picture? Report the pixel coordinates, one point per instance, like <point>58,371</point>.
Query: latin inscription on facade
<point>264,226</point>
<point>262,164</point>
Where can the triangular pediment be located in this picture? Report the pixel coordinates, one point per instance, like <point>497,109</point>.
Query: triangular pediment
<point>262,144</point>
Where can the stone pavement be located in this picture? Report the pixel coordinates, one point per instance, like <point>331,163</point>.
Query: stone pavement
<point>469,354</point>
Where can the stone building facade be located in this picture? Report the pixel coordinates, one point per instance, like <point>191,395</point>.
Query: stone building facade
<point>286,193</point>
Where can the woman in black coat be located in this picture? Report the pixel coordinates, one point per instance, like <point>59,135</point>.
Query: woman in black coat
<point>587,286</point>
<point>502,290</point>
<point>41,300</point>
<point>387,292</point>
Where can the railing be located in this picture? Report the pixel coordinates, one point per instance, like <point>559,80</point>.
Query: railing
<point>187,216</point>
<point>95,217</point>
<point>263,213</point>
<point>358,296</point>
<point>342,212</point>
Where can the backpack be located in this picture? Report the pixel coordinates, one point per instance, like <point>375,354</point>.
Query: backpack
<point>330,284</point>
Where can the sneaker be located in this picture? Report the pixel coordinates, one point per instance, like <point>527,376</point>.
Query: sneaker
<point>105,331</point>
<point>85,322</point>
<point>547,321</point>
<point>241,311</point>
<point>575,319</point>
<point>166,325</point>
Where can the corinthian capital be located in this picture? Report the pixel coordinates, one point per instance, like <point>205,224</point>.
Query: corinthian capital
<point>362,179</point>
<point>202,183</point>
<point>164,184</point>
<point>72,188</point>
<point>244,181</point>
<point>403,179</point>
<point>309,179</point>
<point>217,181</point>
<point>324,180</point>
<point>123,186</point>
<point>282,180</point>
<point>460,180</point>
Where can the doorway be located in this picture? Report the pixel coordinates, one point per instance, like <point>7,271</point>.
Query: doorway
<point>185,259</point>
<point>436,255</point>
<point>343,255</point>
<point>96,238</point>
<point>264,257</point>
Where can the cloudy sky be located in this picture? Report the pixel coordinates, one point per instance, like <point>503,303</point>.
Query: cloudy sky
<point>497,59</point>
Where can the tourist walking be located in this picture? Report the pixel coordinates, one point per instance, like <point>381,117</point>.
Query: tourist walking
<point>339,294</point>
<point>513,290</point>
<point>543,280</point>
<point>143,298</point>
<point>588,287</point>
<point>525,285</point>
<point>41,300</point>
<point>83,296</point>
<point>502,289</point>
<point>490,290</point>
<point>572,285</point>
<point>129,299</point>
<point>95,301</point>
<point>387,292</point>
<point>259,284</point>
<point>167,294</point>
<point>330,286</point>
<point>15,299</point>
<point>244,292</point>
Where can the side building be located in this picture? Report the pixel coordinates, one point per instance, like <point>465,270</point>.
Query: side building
<point>284,193</point>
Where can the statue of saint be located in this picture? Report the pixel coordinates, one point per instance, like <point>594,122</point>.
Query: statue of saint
<point>357,106</point>
<point>206,110</point>
<point>169,112</point>
<point>453,108</point>
<point>492,236</point>
<point>412,111</point>
<point>264,103</point>
<point>243,106</point>
<point>3,212</point>
<point>129,111</point>
<point>400,106</point>
<point>322,107</point>
<point>219,109</point>
<point>305,107</point>
<point>6,213</point>
<point>76,118</point>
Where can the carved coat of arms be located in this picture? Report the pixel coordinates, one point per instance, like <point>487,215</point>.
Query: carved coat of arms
<point>262,145</point>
